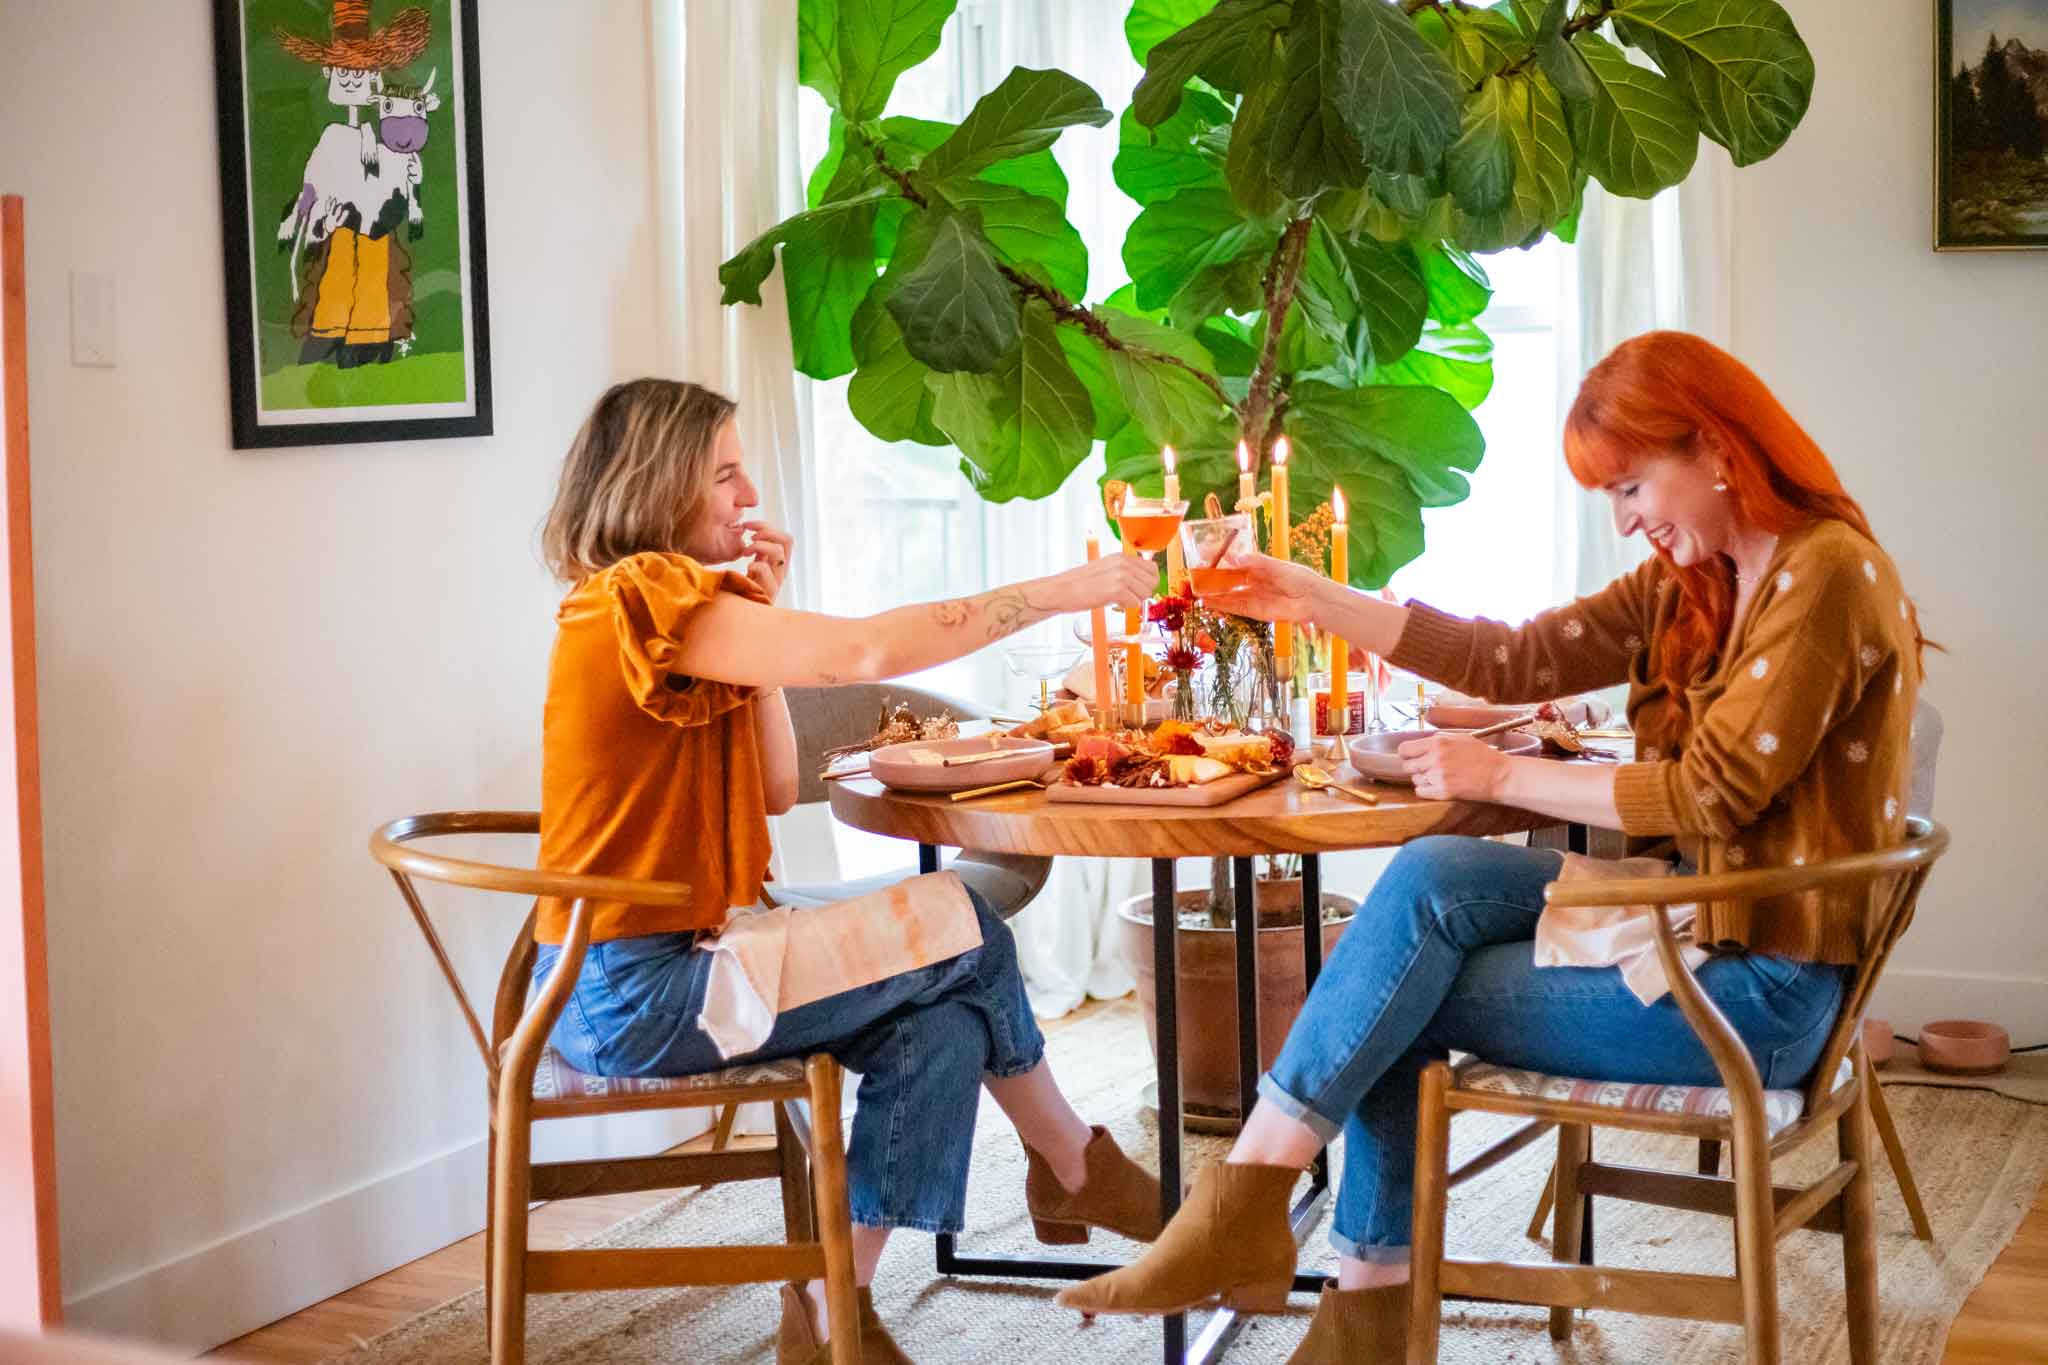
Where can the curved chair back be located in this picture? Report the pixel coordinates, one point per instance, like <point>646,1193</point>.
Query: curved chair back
<point>830,717</point>
<point>1894,876</point>
<point>515,1039</point>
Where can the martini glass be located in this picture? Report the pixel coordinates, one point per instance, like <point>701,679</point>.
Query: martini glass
<point>1046,663</point>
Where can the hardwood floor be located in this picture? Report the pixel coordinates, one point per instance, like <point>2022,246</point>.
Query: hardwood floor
<point>2002,1321</point>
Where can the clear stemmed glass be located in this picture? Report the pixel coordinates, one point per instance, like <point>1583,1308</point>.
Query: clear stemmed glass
<point>1043,662</point>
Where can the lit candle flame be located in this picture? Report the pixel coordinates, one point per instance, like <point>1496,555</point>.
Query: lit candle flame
<point>1244,458</point>
<point>1280,450</point>
<point>1166,457</point>
<point>1337,504</point>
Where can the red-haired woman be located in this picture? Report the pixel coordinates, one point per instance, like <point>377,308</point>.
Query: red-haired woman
<point>1772,660</point>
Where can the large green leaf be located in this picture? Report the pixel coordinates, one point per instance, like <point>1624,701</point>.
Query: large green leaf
<point>1392,298</point>
<point>817,42</point>
<point>1397,92</point>
<point>1634,132</point>
<point>877,41</point>
<point>1247,155</point>
<point>1022,115</point>
<point>907,141</point>
<point>1385,516</point>
<point>827,269</point>
<point>956,310</point>
<point>1457,284</point>
<point>1022,427</point>
<point>1480,169</point>
<point>1457,358</point>
<point>1484,43</point>
<point>1310,129</point>
<point>888,394</point>
<point>1168,404</point>
<point>1027,229</point>
<point>1542,144</point>
<point>1157,163</point>
<point>1230,342</point>
<point>1151,22</point>
<point>835,177</point>
<point>1740,63</point>
<point>755,262</point>
<point>1091,366</point>
<point>1421,431</point>
<point>1174,239</point>
<point>1216,47</point>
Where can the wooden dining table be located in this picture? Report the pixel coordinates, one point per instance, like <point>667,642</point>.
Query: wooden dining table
<point>1282,818</point>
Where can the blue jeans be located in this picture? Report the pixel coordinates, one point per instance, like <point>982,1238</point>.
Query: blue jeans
<point>1440,958</point>
<point>921,1042</point>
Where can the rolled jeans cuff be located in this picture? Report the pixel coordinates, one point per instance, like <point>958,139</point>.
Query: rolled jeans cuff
<point>1298,1110</point>
<point>1371,1255</point>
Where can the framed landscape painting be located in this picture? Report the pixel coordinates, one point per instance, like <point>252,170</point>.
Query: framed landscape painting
<point>352,196</point>
<point>1990,125</point>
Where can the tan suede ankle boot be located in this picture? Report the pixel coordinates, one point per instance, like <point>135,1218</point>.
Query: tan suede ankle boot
<point>798,1342</point>
<point>1230,1242</point>
<point>1357,1327</point>
<point>1117,1195</point>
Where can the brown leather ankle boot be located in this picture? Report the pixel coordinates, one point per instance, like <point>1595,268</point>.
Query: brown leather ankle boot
<point>1357,1327</point>
<point>1117,1195</point>
<point>1230,1242</point>
<point>798,1342</point>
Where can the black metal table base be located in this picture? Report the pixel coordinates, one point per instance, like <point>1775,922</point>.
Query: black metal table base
<point>1223,1326</point>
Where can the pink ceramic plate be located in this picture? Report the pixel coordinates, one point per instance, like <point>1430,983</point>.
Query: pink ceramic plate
<point>1378,756</point>
<point>918,765</point>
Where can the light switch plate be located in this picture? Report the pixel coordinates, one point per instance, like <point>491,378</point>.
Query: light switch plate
<point>93,331</point>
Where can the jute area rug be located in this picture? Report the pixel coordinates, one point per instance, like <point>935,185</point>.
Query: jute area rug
<point>1979,1159</point>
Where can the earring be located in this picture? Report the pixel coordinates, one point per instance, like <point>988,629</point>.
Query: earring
<point>1720,483</point>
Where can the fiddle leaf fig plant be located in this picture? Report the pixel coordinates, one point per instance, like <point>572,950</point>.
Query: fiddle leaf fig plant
<point>1316,181</point>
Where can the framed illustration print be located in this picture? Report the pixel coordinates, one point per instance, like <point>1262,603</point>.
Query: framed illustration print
<point>1990,125</point>
<point>352,197</point>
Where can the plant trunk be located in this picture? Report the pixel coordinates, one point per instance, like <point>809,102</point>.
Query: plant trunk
<point>1220,902</point>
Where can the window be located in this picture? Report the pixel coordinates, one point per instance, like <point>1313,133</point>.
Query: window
<point>1492,554</point>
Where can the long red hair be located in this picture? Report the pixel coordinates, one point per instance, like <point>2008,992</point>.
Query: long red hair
<point>1677,394</point>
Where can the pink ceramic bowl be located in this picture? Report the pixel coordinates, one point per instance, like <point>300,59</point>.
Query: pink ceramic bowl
<point>1378,757</point>
<point>1964,1047</point>
<point>918,765</point>
<point>1878,1041</point>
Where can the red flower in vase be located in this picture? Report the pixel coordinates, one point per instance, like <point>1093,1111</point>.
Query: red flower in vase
<point>1184,660</point>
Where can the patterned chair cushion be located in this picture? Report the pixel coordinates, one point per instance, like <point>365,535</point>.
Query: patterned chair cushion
<point>1782,1108</point>
<point>555,1079</point>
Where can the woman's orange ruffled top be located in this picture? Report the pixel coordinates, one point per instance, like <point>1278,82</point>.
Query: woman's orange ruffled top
<point>646,773</point>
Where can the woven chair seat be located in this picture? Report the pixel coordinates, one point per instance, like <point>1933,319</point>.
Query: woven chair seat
<point>555,1079</point>
<point>1782,1108</point>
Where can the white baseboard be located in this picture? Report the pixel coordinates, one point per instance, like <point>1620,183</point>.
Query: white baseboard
<point>2018,1004</point>
<point>216,1293</point>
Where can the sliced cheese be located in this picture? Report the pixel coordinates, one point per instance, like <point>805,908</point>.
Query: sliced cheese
<point>1194,769</point>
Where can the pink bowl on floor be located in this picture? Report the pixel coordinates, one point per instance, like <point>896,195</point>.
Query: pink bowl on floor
<point>1965,1047</point>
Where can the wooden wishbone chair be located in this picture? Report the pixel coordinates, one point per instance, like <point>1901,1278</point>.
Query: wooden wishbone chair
<point>529,1081</point>
<point>1758,1125</point>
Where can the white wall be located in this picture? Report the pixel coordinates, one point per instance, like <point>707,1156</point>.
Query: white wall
<point>248,659</point>
<point>1923,376</point>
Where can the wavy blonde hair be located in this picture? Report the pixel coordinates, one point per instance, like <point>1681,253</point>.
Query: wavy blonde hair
<point>635,475</point>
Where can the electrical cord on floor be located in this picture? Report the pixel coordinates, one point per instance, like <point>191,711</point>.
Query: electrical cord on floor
<point>2015,1051</point>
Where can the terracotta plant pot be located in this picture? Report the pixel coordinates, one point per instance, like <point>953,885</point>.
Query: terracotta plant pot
<point>1208,986</point>
<point>1964,1047</point>
<point>1877,1041</point>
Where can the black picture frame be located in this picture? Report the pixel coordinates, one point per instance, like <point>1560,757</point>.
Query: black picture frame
<point>244,34</point>
<point>1988,196</point>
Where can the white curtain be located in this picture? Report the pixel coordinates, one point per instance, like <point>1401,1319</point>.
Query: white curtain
<point>1643,265</point>
<point>726,169</point>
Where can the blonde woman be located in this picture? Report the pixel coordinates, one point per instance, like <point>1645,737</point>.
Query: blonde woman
<point>666,747</point>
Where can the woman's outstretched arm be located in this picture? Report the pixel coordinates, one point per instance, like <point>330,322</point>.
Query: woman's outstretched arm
<point>733,640</point>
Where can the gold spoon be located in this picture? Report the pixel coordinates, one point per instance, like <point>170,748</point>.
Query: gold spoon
<point>1309,775</point>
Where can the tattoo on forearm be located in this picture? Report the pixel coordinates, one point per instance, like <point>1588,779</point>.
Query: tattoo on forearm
<point>1009,611</point>
<point>950,615</point>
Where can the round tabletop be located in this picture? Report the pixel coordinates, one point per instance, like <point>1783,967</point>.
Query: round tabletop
<point>1283,817</point>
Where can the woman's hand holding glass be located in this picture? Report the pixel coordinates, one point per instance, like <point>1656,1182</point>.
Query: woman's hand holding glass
<point>1113,580</point>
<point>1273,590</point>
